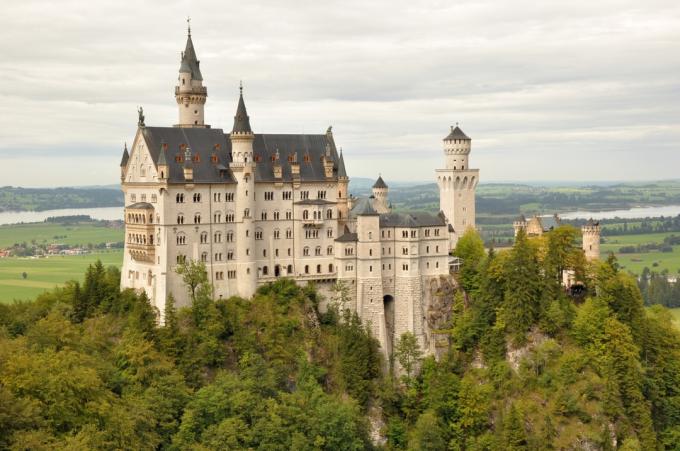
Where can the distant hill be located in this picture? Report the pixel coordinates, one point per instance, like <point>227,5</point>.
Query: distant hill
<point>40,199</point>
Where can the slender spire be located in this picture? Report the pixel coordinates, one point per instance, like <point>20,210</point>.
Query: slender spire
<point>380,183</point>
<point>241,120</point>
<point>190,63</point>
<point>341,166</point>
<point>162,161</point>
<point>126,156</point>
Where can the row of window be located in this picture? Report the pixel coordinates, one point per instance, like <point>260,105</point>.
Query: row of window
<point>406,233</point>
<point>229,197</point>
<point>138,218</point>
<point>138,238</point>
<point>133,198</point>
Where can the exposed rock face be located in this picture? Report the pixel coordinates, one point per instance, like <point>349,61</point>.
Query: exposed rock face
<point>437,304</point>
<point>514,355</point>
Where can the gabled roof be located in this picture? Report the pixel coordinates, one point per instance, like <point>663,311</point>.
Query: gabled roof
<point>347,237</point>
<point>380,183</point>
<point>241,119</point>
<point>190,63</point>
<point>456,133</point>
<point>206,143</point>
<point>549,222</point>
<point>126,157</point>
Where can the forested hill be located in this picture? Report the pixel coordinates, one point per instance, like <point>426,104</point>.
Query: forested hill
<point>39,199</point>
<point>529,366</point>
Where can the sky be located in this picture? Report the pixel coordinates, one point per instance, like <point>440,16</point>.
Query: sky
<point>548,91</point>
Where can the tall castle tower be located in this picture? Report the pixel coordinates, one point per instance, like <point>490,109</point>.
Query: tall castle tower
<point>243,168</point>
<point>190,92</point>
<point>380,191</point>
<point>457,184</point>
<point>591,239</point>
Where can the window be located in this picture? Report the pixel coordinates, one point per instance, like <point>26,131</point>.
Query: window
<point>349,251</point>
<point>404,267</point>
<point>289,252</point>
<point>317,250</point>
<point>231,274</point>
<point>306,269</point>
<point>404,251</point>
<point>427,249</point>
<point>318,269</point>
<point>230,236</point>
<point>246,213</point>
<point>305,251</point>
<point>218,256</point>
<point>404,233</point>
<point>304,195</point>
<point>287,195</point>
<point>289,214</point>
<point>181,258</point>
<point>329,214</point>
<point>133,198</point>
<point>230,254</point>
<point>329,233</point>
<point>414,233</point>
<point>181,239</point>
<point>436,232</point>
<point>277,234</point>
<point>329,250</point>
<point>263,215</point>
<point>370,269</point>
<point>217,197</point>
<point>217,217</point>
<point>330,267</point>
<point>197,197</point>
<point>229,217</point>
<point>217,237</point>
<point>204,237</point>
<point>289,233</point>
<point>269,195</point>
<point>305,214</point>
<point>219,275</point>
<point>258,234</point>
<point>197,218</point>
<point>154,198</point>
<point>179,198</point>
<point>204,257</point>
<point>229,197</point>
<point>321,194</point>
<point>311,233</point>
<point>265,270</point>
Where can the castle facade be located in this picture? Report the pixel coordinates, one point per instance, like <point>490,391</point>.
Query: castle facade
<point>256,207</point>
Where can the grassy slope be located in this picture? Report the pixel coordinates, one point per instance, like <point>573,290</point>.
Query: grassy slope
<point>636,262</point>
<point>46,273</point>
<point>46,233</point>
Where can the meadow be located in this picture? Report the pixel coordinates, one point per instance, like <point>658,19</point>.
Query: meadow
<point>46,273</point>
<point>635,263</point>
<point>72,234</point>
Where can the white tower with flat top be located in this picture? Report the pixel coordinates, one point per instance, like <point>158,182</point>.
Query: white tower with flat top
<point>457,184</point>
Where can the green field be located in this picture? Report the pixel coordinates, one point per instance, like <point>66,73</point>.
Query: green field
<point>636,262</point>
<point>46,273</point>
<point>84,233</point>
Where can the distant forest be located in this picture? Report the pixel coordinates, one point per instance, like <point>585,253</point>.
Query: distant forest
<point>40,199</point>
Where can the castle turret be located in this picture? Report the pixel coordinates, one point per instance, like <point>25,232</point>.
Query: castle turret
<point>343,197</point>
<point>519,224</point>
<point>591,239</point>
<point>190,93</point>
<point>243,168</point>
<point>457,184</point>
<point>380,191</point>
<point>162,164</point>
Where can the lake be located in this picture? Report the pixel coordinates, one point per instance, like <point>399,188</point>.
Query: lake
<point>104,213</point>
<point>629,213</point>
<point>111,213</point>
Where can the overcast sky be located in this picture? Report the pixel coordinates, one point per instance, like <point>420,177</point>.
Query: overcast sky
<point>547,90</point>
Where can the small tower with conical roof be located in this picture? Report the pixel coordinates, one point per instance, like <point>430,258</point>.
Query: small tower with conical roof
<point>190,93</point>
<point>380,191</point>
<point>457,184</point>
<point>243,168</point>
<point>124,162</point>
<point>591,239</point>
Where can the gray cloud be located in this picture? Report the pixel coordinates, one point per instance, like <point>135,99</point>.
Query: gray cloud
<point>548,91</point>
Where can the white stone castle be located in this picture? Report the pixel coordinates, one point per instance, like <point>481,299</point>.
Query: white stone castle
<point>257,207</point>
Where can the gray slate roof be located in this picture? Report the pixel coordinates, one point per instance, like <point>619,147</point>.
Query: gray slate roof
<point>348,237</point>
<point>206,142</point>
<point>141,206</point>
<point>126,157</point>
<point>411,219</point>
<point>241,119</point>
<point>190,63</point>
<point>363,207</point>
<point>456,133</point>
<point>380,183</point>
<point>341,166</point>
<point>549,222</point>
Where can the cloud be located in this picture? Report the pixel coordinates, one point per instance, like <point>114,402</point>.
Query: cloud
<point>546,90</point>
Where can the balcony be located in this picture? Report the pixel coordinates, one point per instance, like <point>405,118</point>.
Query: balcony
<point>142,252</point>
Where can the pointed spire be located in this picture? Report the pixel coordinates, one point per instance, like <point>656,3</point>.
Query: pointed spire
<point>380,183</point>
<point>341,166</point>
<point>190,63</point>
<point>162,161</point>
<point>241,120</point>
<point>456,133</point>
<point>126,157</point>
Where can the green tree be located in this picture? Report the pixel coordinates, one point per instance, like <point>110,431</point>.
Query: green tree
<point>195,277</point>
<point>514,433</point>
<point>470,249</point>
<point>408,353</point>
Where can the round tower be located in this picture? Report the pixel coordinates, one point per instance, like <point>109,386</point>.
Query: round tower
<point>457,146</point>
<point>591,239</point>
<point>190,93</point>
<point>243,168</point>
<point>380,191</point>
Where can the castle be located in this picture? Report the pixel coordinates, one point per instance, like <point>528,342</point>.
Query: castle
<point>256,207</point>
<point>538,225</point>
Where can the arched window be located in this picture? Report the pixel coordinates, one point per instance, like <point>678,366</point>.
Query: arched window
<point>330,267</point>
<point>329,214</point>
<point>306,269</point>
<point>305,214</point>
<point>305,251</point>
<point>265,270</point>
<point>318,269</point>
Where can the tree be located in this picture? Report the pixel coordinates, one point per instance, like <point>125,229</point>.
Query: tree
<point>408,353</point>
<point>428,433</point>
<point>195,277</point>
<point>470,249</point>
<point>24,275</point>
<point>514,434</point>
